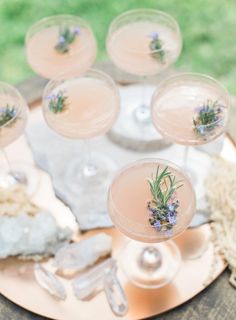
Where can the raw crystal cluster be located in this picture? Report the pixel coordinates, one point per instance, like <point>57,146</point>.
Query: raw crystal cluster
<point>27,236</point>
<point>26,230</point>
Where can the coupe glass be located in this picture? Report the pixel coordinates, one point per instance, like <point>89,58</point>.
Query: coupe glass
<point>13,118</point>
<point>142,42</point>
<point>190,109</point>
<point>59,43</point>
<point>150,260</point>
<point>90,106</point>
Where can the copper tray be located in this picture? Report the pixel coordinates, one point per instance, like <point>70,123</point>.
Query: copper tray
<point>200,265</point>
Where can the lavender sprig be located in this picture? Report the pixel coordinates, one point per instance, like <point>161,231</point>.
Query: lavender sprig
<point>66,38</point>
<point>6,114</point>
<point>156,47</point>
<point>57,102</point>
<point>163,207</point>
<point>209,116</point>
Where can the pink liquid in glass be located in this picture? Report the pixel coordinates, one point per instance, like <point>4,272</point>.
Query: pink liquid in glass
<point>92,108</point>
<point>128,47</point>
<point>14,128</point>
<point>47,62</point>
<point>128,197</point>
<point>174,108</point>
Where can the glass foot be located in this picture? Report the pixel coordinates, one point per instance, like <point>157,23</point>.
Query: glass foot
<point>83,178</point>
<point>134,128</point>
<point>150,266</point>
<point>24,174</point>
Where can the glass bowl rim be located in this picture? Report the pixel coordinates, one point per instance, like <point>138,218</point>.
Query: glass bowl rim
<point>21,105</point>
<point>145,10</point>
<point>195,75</point>
<point>148,160</point>
<point>61,16</point>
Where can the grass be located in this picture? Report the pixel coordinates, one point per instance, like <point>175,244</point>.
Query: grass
<point>207,27</point>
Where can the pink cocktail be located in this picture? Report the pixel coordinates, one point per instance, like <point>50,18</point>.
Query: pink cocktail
<point>83,106</point>
<point>92,107</point>
<point>60,43</point>
<point>13,118</point>
<point>142,42</point>
<point>129,47</point>
<point>143,215</point>
<point>179,101</point>
<point>190,109</point>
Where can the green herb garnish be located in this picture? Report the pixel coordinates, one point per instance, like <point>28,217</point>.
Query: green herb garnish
<point>156,47</point>
<point>66,38</point>
<point>163,206</point>
<point>209,116</point>
<point>57,102</point>
<point>6,114</point>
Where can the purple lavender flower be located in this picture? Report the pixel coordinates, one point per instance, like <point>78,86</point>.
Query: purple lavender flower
<point>2,110</point>
<point>171,207</point>
<point>157,225</point>
<point>201,129</point>
<point>61,40</point>
<point>51,97</point>
<point>199,109</point>
<point>77,30</point>
<point>169,233</point>
<point>172,218</point>
<point>154,35</point>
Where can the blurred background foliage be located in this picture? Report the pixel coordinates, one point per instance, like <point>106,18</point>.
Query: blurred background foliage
<point>208,28</point>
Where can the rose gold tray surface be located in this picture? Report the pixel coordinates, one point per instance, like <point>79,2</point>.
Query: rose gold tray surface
<point>200,265</point>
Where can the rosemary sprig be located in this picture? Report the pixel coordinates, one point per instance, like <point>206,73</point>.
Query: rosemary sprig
<point>66,38</point>
<point>163,206</point>
<point>6,114</point>
<point>156,47</point>
<point>57,102</point>
<point>209,116</point>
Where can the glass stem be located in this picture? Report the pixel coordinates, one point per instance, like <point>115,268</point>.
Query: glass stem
<point>185,158</point>
<point>5,161</point>
<point>142,112</point>
<point>89,169</point>
<point>5,168</point>
<point>150,259</point>
<point>144,89</point>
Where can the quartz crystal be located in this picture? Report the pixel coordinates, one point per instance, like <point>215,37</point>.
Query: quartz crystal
<point>91,282</point>
<point>115,294</point>
<point>27,235</point>
<point>102,277</point>
<point>49,282</point>
<point>76,257</point>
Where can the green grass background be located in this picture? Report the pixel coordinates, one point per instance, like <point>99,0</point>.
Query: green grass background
<point>208,28</point>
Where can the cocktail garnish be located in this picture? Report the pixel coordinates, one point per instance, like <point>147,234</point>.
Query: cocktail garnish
<point>156,47</point>
<point>209,116</point>
<point>66,38</point>
<point>163,206</point>
<point>57,102</point>
<point>6,114</point>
